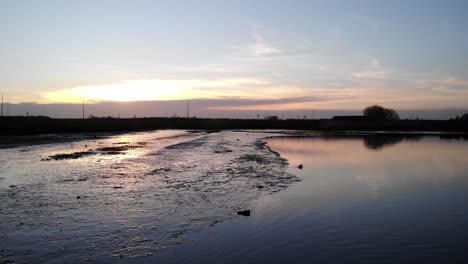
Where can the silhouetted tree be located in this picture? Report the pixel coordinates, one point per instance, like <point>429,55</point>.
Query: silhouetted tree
<point>377,112</point>
<point>271,118</point>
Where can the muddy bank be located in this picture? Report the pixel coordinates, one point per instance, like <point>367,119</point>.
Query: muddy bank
<point>103,208</point>
<point>101,151</point>
<point>11,141</point>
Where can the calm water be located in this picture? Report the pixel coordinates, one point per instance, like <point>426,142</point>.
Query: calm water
<point>361,200</point>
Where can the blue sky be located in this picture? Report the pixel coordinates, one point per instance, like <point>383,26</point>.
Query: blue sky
<point>341,54</point>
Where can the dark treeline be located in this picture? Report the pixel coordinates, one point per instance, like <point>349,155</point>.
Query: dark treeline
<point>43,125</point>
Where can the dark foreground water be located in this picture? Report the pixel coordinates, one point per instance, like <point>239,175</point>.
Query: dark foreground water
<point>173,197</point>
<point>361,200</point>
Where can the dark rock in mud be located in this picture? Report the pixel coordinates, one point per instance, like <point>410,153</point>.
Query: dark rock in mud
<point>300,167</point>
<point>113,153</point>
<point>215,222</point>
<point>221,151</point>
<point>68,180</point>
<point>117,149</point>
<point>244,213</point>
<point>118,187</point>
<point>75,155</point>
<point>121,143</point>
<point>188,144</point>
<point>156,171</point>
<point>240,170</point>
<point>260,144</point>
<point>252,157</point>
<point>213,131</point>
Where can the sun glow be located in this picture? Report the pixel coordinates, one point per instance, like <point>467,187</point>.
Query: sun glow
<point>124,91</point>
<point>157,89</point>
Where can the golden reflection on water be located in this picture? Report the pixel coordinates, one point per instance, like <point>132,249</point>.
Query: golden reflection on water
<point>444,156</point>
<point>350,169</point>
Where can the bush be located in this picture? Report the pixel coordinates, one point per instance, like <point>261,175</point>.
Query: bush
<point>377,112</point>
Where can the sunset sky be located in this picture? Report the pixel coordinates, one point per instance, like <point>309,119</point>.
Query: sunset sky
<point>237,55</point>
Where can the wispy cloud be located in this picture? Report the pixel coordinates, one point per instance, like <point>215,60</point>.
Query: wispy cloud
<point>450,81</point>
<point>240,103</point>
<point>370,74</point>
<point>372,70</point>
<point>259,47</point>
<point>445,87</point>
<point>375,62</point>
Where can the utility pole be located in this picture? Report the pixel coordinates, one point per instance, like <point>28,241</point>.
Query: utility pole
<point>2,105</point>
<point>83,109</point>
<point>188,115</point>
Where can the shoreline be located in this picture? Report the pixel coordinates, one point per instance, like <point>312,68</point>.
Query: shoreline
<point>45,125</point>
<point>24,140</point>
<point>170,187</point>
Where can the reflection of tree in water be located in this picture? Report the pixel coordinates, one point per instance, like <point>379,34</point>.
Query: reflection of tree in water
<point>377,142</point>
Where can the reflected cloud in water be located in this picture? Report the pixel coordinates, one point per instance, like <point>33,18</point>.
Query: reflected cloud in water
<point>395,153</point>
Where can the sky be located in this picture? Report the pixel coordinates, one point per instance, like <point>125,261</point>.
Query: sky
<point>235,57</point>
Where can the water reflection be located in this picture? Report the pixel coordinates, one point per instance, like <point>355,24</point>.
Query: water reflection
<point>377,142</point>
<point>376,199</point>
<point>405,203</point>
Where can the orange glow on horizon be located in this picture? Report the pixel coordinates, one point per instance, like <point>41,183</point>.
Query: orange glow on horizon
<point>263,91</point>
<point>125,91</point>
<point>156,89</point>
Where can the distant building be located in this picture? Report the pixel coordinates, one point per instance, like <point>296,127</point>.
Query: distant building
<point>271,118</point>
<point>350,118</point>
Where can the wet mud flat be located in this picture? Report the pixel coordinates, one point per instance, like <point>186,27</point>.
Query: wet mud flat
<point>9,141</point>
<point>128,197</point>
